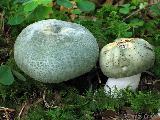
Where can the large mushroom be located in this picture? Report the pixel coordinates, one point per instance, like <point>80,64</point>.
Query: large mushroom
<point>53,51</point>
<point>124,60</point>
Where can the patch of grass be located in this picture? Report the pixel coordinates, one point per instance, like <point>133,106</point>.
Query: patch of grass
<point>74,106</point>
<point>156,67</point>
<point>36,113</point>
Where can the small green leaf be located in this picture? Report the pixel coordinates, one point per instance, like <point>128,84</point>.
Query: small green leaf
<point>40,13</point>
<point>6,77</point>
<point>65,3</point>
<point>85,5</point>
<point>15,20</point>
<point>30,6</point>
<point>44,2</point>
<point>76,11</point>
<point>124,10</point>
<point>136,22</point>
<point>19,75</point>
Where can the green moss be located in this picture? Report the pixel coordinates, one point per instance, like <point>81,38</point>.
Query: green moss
<point>97,29</point>
<point>145,101</point>
<point>37,113</point>
<point>156,67</point>
<point>73,106</point>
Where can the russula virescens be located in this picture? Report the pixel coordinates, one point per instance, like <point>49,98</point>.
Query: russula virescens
<point>124,60</point>
<point>53,51</point>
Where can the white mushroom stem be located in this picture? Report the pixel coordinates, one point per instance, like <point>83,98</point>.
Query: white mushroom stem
<point>121,83</point>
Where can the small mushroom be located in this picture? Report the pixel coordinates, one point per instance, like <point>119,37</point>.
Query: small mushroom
<point>124,60</point>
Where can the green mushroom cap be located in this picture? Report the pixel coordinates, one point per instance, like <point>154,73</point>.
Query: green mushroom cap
<point>53,51</point>
<point>126,57</point>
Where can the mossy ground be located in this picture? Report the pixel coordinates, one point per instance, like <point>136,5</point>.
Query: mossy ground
<point>83,98</point>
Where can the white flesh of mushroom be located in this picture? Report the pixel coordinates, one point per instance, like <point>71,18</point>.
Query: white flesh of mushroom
<point>124,60</point>
<point>121,83</point>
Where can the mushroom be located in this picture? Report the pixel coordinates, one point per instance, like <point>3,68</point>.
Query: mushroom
<point>53,51</point>
<point>124,60</point>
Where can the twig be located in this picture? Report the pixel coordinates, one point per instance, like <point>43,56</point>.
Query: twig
<point>26,107</point>
<point>22,109</point>
<point>137,11</point>
<point>2,21</point>
<point>7,109</point>
<point>133,13</point>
